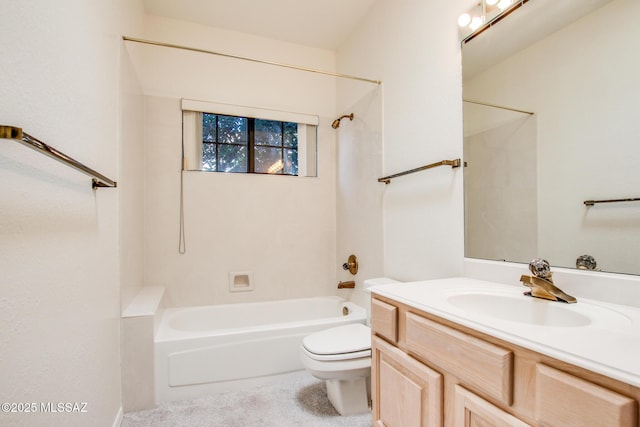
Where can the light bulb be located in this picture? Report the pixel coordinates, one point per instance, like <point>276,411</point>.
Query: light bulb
<point>476,22</point>
<point>464,20</point>
<point>503,4</point>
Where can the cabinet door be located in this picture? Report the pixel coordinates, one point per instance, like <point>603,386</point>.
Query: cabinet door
<point>405,392</point>
<point>473,411</point>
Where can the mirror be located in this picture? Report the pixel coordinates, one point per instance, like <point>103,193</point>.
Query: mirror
<point>552,94</point>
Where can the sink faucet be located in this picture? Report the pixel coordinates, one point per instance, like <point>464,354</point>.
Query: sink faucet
<point>541,283</point>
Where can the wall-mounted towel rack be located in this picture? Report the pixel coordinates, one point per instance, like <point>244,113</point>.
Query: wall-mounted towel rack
<point>593,202</point>
<point>453,163</point>
<point>16,134</point>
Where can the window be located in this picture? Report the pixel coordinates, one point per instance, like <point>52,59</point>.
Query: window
<point>255,141</point>
<point>244,144</point>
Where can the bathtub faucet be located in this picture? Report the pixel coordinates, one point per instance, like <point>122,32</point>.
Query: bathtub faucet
<point>347,285</point>
<point>351,264</point>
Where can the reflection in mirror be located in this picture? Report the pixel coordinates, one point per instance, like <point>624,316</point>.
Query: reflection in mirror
<point>570,68</point>
<point>500,183</point>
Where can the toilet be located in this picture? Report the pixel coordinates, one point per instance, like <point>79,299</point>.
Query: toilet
<point>342,357</point>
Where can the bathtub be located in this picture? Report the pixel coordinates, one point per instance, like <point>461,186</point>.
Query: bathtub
<point>203,350</point>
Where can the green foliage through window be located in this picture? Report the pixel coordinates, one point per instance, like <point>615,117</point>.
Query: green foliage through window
<point>248,145</point>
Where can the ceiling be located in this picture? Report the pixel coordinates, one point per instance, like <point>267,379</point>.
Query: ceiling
<point>323,24</point>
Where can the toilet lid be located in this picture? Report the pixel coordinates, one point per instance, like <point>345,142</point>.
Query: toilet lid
<point>351,338</point>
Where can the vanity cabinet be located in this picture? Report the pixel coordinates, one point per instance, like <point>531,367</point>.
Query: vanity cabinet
<point>409,393</point>
<point>428,371</point>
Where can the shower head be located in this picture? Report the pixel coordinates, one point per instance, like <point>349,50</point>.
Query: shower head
<point>336,122</point>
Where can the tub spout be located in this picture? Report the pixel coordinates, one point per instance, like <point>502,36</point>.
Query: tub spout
<point>347,285</point>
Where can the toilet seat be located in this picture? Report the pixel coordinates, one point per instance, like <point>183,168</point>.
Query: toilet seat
<point>339,369</point>
<point>346,342</point>
<point>337,357</point>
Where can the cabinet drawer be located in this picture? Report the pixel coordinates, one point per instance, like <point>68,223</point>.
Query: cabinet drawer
<point>384,320</point>
<point>565,400</point>
<point>472,411</point>
<point>476,363</point>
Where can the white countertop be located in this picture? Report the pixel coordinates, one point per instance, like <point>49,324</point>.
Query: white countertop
<point>606,341</point>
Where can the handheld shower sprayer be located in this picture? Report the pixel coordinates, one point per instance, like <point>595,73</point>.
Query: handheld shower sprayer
<point>336,122</point>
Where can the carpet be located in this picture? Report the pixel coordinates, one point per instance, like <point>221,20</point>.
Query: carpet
<point>299,402</point>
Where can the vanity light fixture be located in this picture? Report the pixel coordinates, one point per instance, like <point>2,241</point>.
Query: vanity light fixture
<point>503,4</point>
<point>483,14</point>
<point>476,22</point>
<point>464,20</point>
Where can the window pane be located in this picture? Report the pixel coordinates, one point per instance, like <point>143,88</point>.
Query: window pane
<point>232,130</point>
<point>228,143</point>
<point>268,160</point>
<point>291,162</point>
<point>291,135</point>
<point>208,127</point>
<point>232,158</point>
<point>209,157</point>
<point>268,132</point>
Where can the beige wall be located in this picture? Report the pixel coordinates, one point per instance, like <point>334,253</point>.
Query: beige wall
<point>282,229</point>
<point>177,73</point>
<point>358,192</point>
<point>131,185</point>
<point>59,308</point>
<point>417,114</point>
<point>412,47</point>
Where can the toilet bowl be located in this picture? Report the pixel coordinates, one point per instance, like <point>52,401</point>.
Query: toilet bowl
<point>342,357</point>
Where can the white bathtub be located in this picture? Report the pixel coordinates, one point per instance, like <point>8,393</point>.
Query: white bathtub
<point>202,350</point>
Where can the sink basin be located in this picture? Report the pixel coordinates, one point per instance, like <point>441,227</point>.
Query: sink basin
<point>520,308</point>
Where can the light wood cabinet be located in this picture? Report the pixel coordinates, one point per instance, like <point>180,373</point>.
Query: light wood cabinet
<point>406,392</point>
<point>427,371</point>
<point>478,363</point>
<point>582,401</point>
<point>472,411</point>
<point>385,316</point>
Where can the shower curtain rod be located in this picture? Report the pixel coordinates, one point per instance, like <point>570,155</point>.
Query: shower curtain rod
<point>245,58</point>
<point>486,104</point>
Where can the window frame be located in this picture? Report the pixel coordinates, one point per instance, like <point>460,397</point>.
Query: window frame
<point>307,138</point>
<point>252,145</point>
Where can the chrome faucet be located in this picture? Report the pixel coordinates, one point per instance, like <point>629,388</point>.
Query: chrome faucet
<point>541,283</point>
